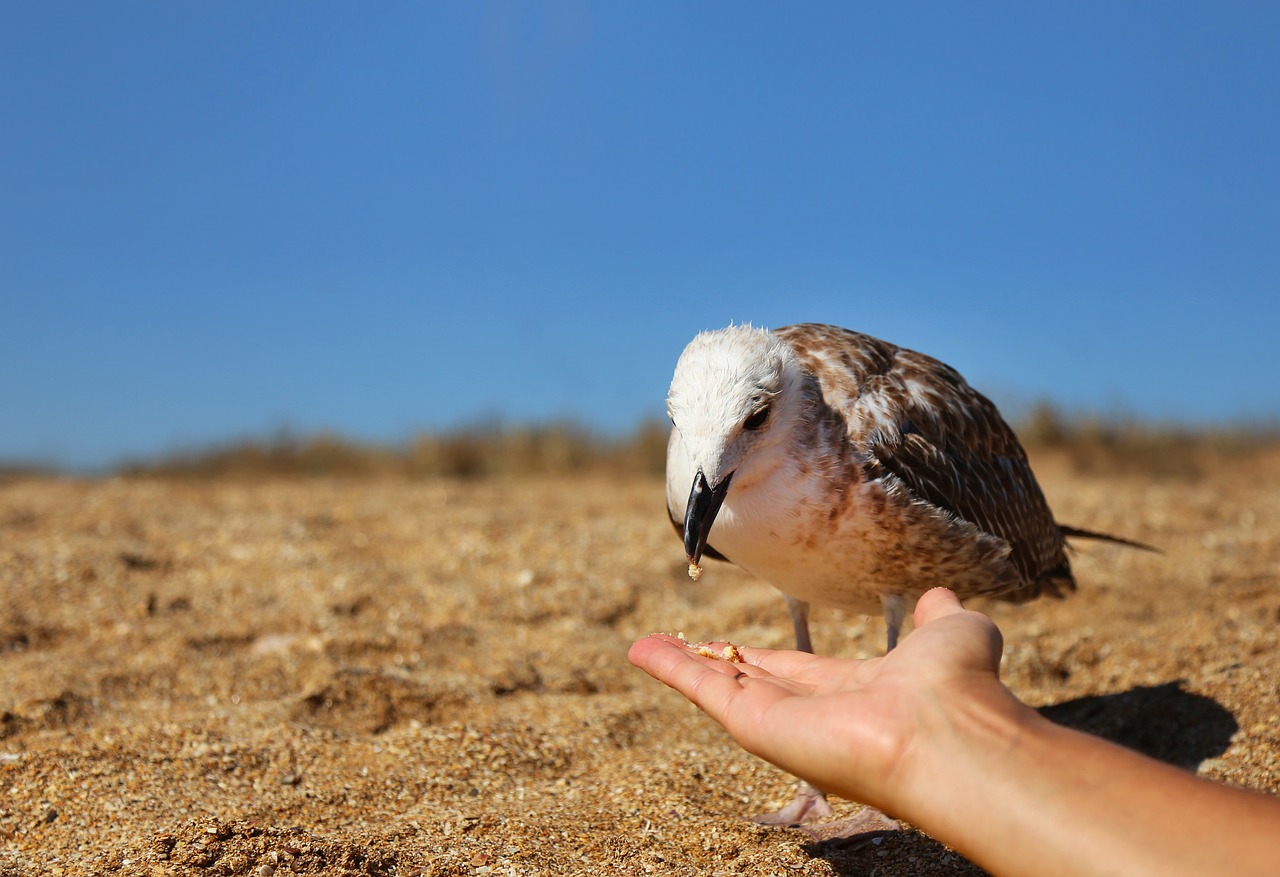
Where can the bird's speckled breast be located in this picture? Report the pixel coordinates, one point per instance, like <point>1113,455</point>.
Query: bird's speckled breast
<point>845,546</point>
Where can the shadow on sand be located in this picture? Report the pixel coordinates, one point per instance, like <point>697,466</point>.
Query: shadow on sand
<point>1163,721</point>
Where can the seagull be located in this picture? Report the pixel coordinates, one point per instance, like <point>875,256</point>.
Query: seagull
<point>852,473</point>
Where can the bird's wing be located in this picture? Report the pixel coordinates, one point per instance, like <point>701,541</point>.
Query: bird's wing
<point>914,418</point>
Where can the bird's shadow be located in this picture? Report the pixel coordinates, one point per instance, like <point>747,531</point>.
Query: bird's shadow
<point>875,851</point>
<point>1165,721</point>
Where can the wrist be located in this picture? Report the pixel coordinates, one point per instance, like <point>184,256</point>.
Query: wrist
<point>959,741</point>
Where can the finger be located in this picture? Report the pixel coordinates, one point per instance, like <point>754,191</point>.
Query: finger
<point>941,603</point>
<point>727,657</point>
<point>798,671</point>
<point>803,668</point>
<point>642,650</point>
<point>707,682</point>
<point>672,662</point>
<point>934,604</point>
<point>657,653</point>
<point>720,656</point>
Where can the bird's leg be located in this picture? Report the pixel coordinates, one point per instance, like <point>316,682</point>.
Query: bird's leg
<point>799,610</point>
<point>810,802</point>
<point>895,610</point>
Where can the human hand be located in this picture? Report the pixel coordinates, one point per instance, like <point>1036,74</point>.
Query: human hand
<point>929,734</point>
<point>846,726</point>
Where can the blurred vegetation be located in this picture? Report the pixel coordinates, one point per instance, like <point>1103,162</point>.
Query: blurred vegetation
<point>1091,445</point>
<point>1096,445</point>
<point>470,453</point>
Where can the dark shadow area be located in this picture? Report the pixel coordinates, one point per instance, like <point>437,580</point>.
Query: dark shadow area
<point>891,853</point>
<point>1164,721</point>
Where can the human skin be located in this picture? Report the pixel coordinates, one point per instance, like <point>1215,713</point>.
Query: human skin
<point>929,734</point>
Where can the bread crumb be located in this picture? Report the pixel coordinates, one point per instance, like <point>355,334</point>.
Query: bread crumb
<point>728,653</point>
<point>695,571</point>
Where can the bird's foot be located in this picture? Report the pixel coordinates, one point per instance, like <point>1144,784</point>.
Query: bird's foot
<point>864,825</point>
<point>809,803</point>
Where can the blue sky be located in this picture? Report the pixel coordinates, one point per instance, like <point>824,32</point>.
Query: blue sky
<point>220,219</point>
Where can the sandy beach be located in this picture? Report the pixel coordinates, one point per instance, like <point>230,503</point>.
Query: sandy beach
<point>392,676</point>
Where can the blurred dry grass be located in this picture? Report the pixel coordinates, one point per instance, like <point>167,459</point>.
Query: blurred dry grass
<point>474,452</point>
<point>1104,446</point>
<point>1089,445</point>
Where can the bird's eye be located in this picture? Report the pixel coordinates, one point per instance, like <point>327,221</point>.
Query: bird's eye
<point>757,419</point>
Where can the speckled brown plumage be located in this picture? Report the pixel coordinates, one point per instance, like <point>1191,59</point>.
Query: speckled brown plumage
<point>880,474</point>
<point>945,442</point>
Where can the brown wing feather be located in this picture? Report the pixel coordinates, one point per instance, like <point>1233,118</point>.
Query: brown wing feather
<point>917,418</point>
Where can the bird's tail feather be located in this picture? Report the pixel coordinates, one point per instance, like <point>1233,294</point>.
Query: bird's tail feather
<point>1077,533</point>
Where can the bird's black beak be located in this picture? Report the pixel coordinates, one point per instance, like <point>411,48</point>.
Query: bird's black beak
<point>704,504</point>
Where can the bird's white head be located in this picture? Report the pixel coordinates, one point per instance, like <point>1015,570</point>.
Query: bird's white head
<point>733,401</point>
<point>732,393</point>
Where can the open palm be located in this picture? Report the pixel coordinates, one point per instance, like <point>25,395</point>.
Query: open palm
<point>839,723</point>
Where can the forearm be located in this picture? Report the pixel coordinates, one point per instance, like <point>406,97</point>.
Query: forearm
<point>1021,795</point>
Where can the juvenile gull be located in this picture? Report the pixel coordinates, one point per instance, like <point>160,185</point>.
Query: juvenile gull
<point>852,473</point>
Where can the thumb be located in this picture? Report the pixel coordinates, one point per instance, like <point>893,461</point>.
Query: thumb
<point>934,604</point>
